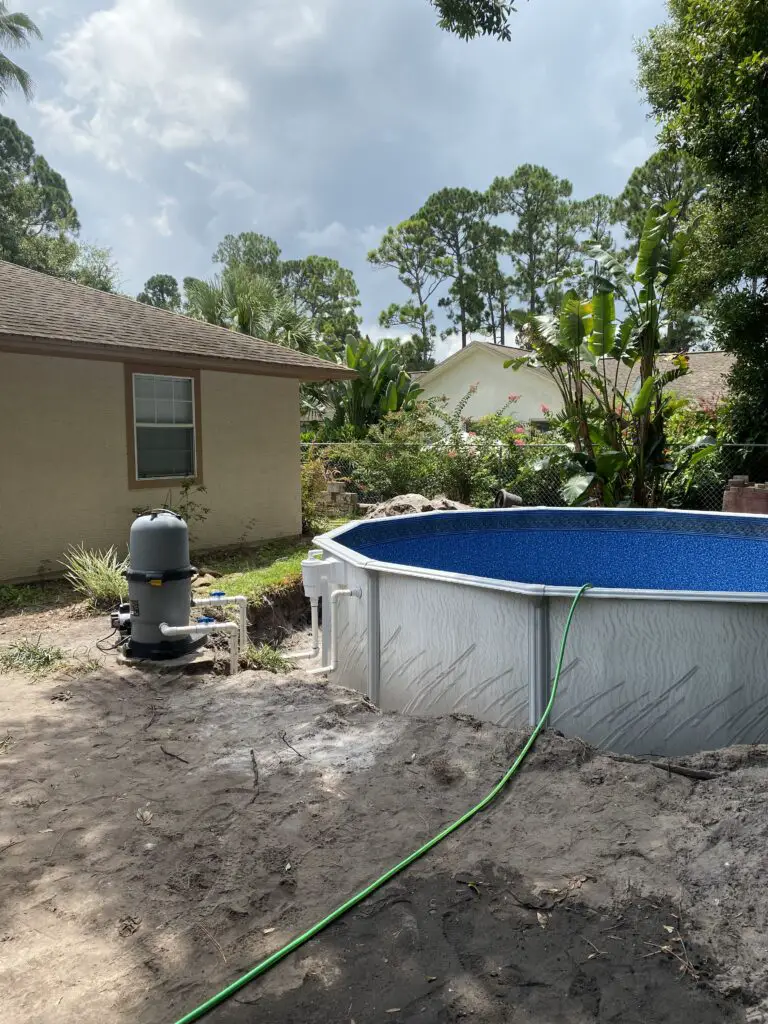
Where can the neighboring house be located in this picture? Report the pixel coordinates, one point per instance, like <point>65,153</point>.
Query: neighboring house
<point>482,363</point>
<point>107,404</point>
<point>705,382</point>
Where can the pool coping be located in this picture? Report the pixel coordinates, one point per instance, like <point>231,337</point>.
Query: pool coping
<point>329,543</point>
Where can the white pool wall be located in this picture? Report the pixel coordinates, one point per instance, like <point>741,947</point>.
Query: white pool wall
<point>664,673</point>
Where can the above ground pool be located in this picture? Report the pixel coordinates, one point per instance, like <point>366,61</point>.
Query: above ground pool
<point>464,611</point>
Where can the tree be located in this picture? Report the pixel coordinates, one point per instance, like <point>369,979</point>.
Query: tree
<point>38,221</point>
<point>324,292</point>
<point>666,177</point>
<point>244,302</point>
<point>414,253</point>
<point>456,217</point>
<point>258,253</point>
<point>471,18</point>
<point>17,30</point>
<point>161,290</point>
<point>490,284</point>
<point>531,195</point>
<point>704,74</point>
<point>597,215</point>
<point>95,267</point>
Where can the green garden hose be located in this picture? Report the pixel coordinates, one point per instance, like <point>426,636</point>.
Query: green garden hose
<point>275,958</point>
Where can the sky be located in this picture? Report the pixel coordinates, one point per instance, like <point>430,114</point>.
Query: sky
<point>317,122</point>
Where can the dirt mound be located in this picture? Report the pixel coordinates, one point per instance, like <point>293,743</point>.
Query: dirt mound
<point>407,504</point>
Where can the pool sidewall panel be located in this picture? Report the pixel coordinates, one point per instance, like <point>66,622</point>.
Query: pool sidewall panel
<point>447,648</point>
<point>662,677</point>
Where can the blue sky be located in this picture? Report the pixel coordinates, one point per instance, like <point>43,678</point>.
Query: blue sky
<point>319,122</point>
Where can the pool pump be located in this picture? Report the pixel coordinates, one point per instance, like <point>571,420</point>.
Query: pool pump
<point>155,622</point>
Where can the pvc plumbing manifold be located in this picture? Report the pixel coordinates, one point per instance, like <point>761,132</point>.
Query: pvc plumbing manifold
<point>317,572</point>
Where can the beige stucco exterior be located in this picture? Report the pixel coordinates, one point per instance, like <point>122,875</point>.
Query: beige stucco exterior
<point>64,460</point>
<point>484,365</point>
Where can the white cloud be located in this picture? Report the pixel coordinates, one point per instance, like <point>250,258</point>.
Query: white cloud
<point>337,236</point>
<point>632,153</point>
<point>161,222</point>
<point>139,75</point>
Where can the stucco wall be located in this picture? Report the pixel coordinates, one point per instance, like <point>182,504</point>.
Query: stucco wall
<point>495,385</point>
<point>64,463</point>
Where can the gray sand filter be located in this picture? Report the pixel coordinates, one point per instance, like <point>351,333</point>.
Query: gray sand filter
<point>159,585</point>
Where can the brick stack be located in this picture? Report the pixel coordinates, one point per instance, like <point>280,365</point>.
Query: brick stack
<point>742,496</point>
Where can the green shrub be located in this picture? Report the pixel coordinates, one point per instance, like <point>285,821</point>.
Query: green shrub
<point>97,575</point>
<point>30,656</point>
<point>14,596</point>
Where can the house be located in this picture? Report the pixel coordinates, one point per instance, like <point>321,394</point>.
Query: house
<point>482,363</point>
<point>107,405</point>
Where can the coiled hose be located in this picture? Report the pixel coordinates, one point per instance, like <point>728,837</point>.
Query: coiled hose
<point>294,944</point>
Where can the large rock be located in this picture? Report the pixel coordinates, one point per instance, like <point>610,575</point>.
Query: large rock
<point>407,504</point>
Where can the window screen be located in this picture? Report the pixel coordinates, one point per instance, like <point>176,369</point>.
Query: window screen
<point>164,422</point>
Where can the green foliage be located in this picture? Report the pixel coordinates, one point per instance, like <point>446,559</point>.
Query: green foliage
<point>398,456</point>
<point>415,254</point>
<point>16,31</point>
<point>704,73</point>
<point>325,293</point>
<point>31,657</point>
<point>471,18</point>
<point>94,267</point>
<point>186,503</point>
<point>37,217</point>
<point>619,444</point>
<point>250,304</point>
<point>162,291</point>
<point>313,489</point>
<point>97,575</point>
<point>261,572</point>
<point>16,597</point>
<point>256,253</point>
<point>456,218</point>
<point>701,465</point>
<point>263,658</point>
<point>381,386</point>
<point>535,198</point>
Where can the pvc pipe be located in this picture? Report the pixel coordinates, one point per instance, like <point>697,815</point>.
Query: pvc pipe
<point>315,648</point>
<point>197,630</point>
<point>223,600</point>
<point>342,592</point>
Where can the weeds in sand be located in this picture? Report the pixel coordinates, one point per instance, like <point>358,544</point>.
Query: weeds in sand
<point>98,575</point>
<point>265,658</point>
<point>6,743</point>
<point>32,657</point>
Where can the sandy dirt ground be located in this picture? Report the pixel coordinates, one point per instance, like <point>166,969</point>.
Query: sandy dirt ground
<point>159,835</point>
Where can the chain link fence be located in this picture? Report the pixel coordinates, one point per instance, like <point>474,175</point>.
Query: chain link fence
<point>535,472</point>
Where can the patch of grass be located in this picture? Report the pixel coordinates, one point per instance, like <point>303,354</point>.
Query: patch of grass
<point>97,575</point>
<point>264,658</point>
<point>18,597</point>
<point>31,657</point>
<point>261,570</point>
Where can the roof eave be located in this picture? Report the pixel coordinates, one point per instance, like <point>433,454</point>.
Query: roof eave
<point>30,345</point>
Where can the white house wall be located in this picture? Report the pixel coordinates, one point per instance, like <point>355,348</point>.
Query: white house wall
<point>486,369</point>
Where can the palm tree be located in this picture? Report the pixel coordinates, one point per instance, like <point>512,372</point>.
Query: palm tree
<point>16,31</point>
<point>251,305</point>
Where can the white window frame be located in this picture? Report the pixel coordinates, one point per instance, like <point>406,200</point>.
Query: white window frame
<point>163,426</point>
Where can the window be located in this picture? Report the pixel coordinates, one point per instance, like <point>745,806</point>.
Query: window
<point>164,427</point>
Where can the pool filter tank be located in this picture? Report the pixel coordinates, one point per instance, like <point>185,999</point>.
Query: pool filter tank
<point>159,586</point>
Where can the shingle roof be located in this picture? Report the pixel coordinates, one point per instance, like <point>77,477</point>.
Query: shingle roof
<point>47,314</point>
<point>706,379</point>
